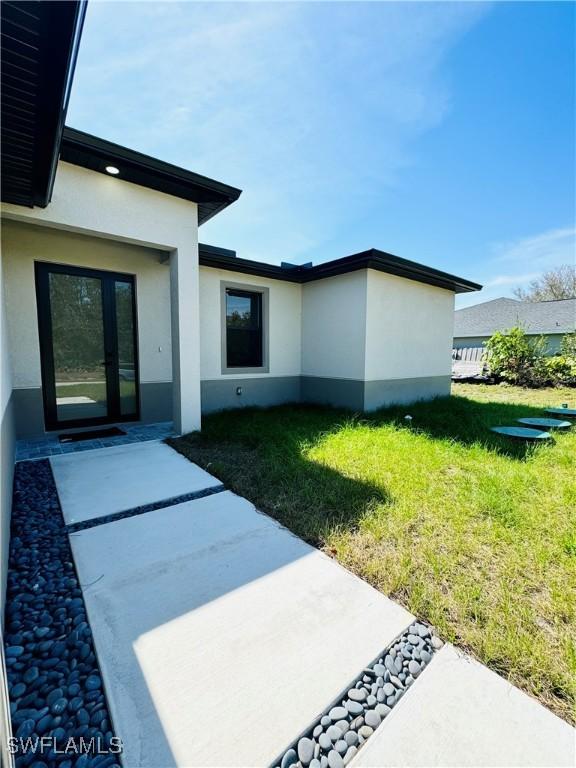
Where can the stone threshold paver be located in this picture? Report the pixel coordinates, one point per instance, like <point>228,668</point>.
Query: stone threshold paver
<point>49,445</point>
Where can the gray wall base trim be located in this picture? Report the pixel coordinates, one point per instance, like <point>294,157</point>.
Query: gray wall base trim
<point>220,394</point>
<point>340,393</point>
<point>379,394</point>
<point>155,406</point>
<point>155,401</point>
<point>371,395</point>
<point>28,412</point>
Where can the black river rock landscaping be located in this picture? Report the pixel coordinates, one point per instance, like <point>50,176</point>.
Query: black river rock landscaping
<point>334,739</point>
<point>59,712</point>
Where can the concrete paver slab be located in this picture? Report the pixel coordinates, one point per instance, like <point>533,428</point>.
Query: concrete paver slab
<point>220,635</point>
<point>96,483</point>
<point>460,713</point>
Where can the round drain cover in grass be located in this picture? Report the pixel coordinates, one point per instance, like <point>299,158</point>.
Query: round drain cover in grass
<point>546,423</point>
<point>523,433</point>
<point>562,411</point>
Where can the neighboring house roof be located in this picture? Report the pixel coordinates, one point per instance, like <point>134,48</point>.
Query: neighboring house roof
<point>502,314</point>
<point>91,152</point>
<point>381,261</point>
<point>39,46</point>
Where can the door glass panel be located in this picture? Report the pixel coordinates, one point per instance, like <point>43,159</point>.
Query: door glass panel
<point>78,346</point>
<point>126,349</point>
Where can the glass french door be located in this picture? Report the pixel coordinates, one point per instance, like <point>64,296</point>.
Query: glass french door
<point>88,347</point>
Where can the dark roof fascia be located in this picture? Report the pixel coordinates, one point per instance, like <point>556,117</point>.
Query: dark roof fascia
<point>59,110</point>
<point>94,153</point>
<point>372,259</point>
<point>246,266</point>
<point>215,250</point>
<point>39,49</point>
<point>394,265</point>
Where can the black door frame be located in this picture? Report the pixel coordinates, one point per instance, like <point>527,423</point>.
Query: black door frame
<point>42,272</point>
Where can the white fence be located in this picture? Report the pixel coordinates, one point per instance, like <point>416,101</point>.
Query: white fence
<point>467,362</point>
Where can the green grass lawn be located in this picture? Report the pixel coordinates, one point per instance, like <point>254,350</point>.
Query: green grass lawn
<point>472,533</point>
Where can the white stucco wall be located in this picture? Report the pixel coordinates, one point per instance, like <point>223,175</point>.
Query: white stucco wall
<point>7,445</point>
<point>362,326</point>
<point>409,328</point>
<point>284,323</point>
<point>333,326</point>
<point>107,207</point>
<point>6,439</point>
<point>23,245</point>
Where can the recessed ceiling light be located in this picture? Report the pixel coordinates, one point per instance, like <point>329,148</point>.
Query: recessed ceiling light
<point>112,170</point>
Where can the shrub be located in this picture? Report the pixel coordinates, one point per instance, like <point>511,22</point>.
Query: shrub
<point>513,357</point>
<point>563,366</point>
<point>561,370</point>
<point>568,346</point>
<point>558,367</point>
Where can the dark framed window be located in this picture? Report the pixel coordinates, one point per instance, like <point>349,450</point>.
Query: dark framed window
<point>244,329</point>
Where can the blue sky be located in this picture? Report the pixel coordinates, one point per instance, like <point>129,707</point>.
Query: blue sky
<point>441,132</point>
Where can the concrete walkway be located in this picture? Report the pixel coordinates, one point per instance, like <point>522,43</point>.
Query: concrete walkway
<point>221,636</point>
<point>459,713</point>
<point>106,481</point>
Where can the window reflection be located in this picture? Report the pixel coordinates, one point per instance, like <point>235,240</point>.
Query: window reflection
<point>126,349</point>
<point>243,329</point>
<point>78,346</point>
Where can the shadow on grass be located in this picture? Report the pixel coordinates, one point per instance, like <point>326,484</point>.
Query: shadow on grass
<point>262,454</point>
